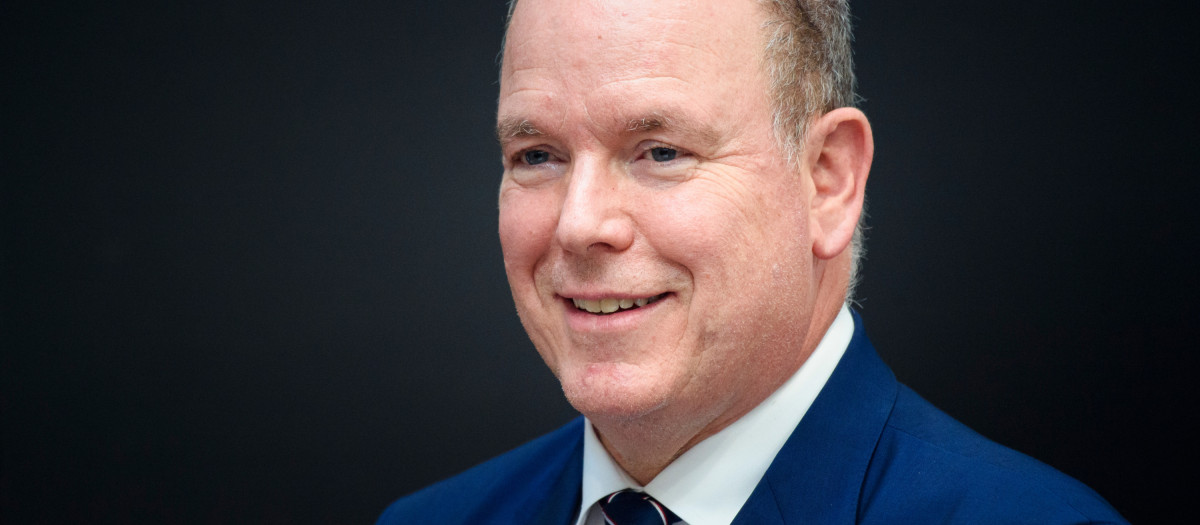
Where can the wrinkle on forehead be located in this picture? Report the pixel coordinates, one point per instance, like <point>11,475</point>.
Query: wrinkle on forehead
<point>597,68</point>
<point>624,40</point>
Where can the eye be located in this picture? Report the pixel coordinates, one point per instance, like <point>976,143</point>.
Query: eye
<point>536,156</point>
<point>663,154</point>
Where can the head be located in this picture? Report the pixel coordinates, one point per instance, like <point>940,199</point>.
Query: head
<point>811,66</point>
<point>676,229</point>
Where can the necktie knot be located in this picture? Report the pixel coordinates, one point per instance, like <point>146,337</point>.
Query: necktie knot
<point>627,507</point>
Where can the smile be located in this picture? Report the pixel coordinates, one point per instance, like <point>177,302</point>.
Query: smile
<point>612,305</point>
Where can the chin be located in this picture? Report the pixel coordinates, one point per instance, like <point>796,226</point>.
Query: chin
<point>616,391</point>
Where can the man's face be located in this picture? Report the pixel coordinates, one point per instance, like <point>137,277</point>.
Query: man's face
<point>641,175</point>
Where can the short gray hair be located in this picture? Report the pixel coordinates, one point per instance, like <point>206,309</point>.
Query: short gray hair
<point>811,67</point>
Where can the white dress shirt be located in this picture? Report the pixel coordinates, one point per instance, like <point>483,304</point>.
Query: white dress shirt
<point>709,483</point>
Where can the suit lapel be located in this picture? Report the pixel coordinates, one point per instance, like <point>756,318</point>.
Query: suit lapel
<point>562,499</point>
<point>818,475</point>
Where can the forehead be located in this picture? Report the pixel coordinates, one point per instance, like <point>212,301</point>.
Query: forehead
<point>620,48</point>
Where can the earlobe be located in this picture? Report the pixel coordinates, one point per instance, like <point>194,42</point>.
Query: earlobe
<point>839,149</point>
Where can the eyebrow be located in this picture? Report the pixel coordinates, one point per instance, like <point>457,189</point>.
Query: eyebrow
<point>656,120</point>
<point>513,128</point>
<point>649,122</point>
<point>510,129</point>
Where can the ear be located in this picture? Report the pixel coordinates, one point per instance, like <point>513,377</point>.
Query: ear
<point>838,152</point>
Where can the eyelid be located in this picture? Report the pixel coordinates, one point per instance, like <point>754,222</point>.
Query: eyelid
<point>518,157</point>
<point>645,146</point>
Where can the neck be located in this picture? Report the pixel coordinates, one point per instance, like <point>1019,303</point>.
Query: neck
<point>644,446</point>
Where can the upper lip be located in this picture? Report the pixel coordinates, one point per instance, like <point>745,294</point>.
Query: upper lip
<point>596,296</point>
<point>601,295</point>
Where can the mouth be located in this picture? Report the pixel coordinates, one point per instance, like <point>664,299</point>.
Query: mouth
<point>612,305</point>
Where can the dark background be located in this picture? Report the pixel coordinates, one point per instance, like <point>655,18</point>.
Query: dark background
<point>250,271</point>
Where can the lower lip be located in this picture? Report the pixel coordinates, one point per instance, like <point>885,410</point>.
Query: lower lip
<point>619,321</point>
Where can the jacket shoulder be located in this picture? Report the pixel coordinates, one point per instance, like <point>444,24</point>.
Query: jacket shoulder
<point>930,468</point>
<point>496,491</point>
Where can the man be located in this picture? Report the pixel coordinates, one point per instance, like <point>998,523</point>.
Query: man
<point>682,186</point>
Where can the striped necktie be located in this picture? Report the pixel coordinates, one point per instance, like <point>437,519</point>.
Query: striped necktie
<point>627,507</point>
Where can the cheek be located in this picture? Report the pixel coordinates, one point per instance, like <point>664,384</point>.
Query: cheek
<point>527,223</point>
<point>745,250</point>
<point>698,228</point>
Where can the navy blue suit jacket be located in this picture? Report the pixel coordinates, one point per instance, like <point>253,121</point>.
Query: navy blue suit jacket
<point>869,450</point>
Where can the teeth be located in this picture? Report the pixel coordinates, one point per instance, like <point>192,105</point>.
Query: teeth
<point>610,305</point>
<point>584,304</point>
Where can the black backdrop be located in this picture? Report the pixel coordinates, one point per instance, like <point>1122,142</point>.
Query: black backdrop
<point>250,270</point>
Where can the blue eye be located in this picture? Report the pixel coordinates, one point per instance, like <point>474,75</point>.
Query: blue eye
<point>537,156</point>
<point>663,154</point>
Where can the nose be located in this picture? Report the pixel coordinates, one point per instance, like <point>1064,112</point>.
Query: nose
<point>594,213</point>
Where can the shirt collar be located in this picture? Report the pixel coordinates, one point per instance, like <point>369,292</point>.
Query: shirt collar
<point>709,483</point>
